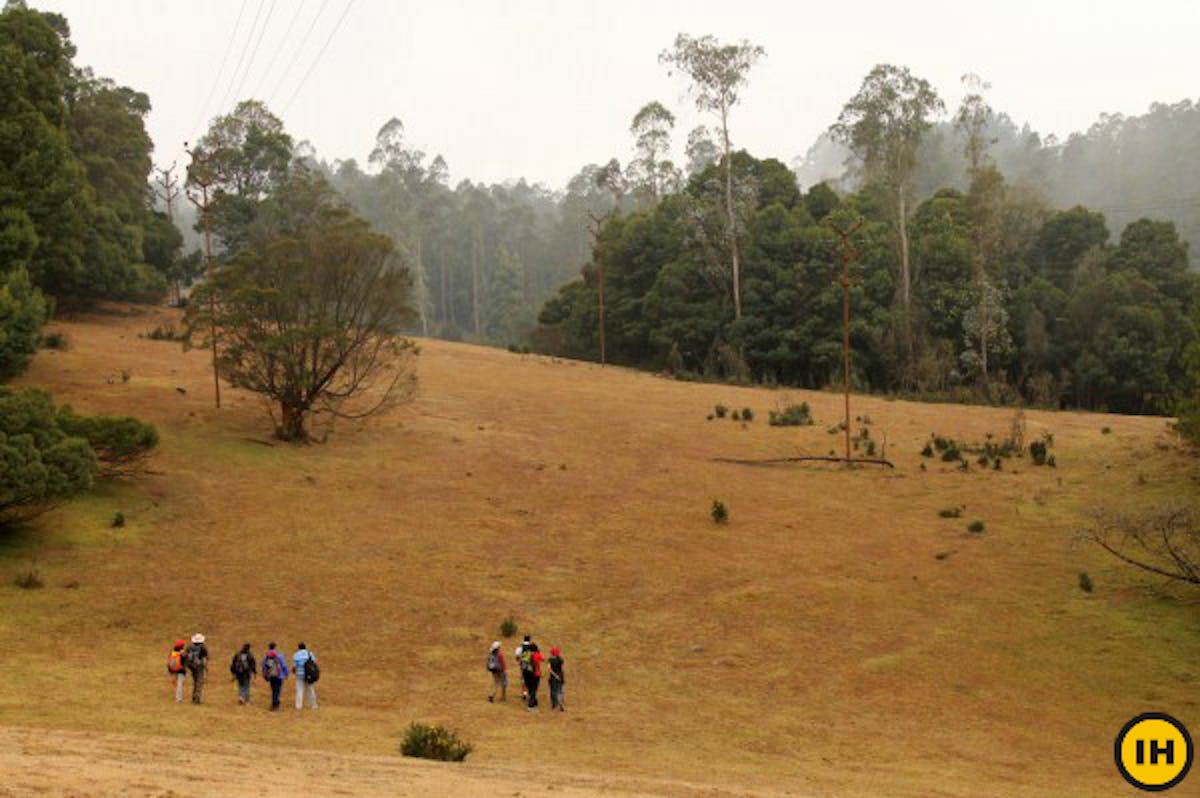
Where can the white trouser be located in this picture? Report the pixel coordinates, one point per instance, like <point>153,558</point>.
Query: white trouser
<point>303,687</point>
<point>179,679</point>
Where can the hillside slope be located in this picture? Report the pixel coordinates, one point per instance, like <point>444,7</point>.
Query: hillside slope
<point>837,637</point>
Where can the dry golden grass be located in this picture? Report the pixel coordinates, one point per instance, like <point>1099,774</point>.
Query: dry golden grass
<point>813,644</point>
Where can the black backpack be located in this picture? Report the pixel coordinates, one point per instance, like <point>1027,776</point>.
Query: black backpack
<point>312,672</point>
<point>197,656</point>
<point>241,665</point>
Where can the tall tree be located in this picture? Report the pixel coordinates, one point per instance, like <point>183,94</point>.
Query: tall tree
<point>984,200</point>
<point>310,317</point>
<point>653,172</point>
<point>246,153</point>
<point>718,72</point>
<point>882,125</point>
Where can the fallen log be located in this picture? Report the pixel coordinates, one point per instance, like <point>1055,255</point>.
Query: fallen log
<point>804,459</point>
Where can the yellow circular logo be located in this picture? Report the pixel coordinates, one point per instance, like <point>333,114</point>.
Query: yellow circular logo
<point>1154,752</point>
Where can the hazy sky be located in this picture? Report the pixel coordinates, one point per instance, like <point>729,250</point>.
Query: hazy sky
<point>538,88</point>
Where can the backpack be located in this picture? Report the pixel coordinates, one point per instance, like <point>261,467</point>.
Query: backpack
<point>271,669</point>
<point>493,663</point>
<point>312,672</point>
<point>241,665</point>
<point>527,660</point>
<point>175,662</point>
<point>195,657</point>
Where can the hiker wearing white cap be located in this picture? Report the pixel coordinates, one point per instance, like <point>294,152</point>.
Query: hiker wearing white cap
<point>196,658</point>
<point>496,667</point>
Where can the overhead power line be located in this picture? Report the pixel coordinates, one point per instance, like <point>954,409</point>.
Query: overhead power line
<point>242,57</point>
<point>253,53</point>
<point>299,49</point>
<point>262,82</point>
<point>317,60</point>
<point>220,70</point>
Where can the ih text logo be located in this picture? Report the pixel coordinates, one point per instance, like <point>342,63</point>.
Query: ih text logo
<point>1154,752</point>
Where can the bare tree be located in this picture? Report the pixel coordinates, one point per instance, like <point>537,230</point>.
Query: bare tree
<point>1164,541</point>
<point>718,72</point>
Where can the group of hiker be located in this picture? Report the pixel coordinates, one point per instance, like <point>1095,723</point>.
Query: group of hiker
<point>529,659</point>
<point>191,658</point>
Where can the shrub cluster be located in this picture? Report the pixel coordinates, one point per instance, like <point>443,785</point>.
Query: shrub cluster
<point>165,332</point>
<point>48,455</point>
<point>424,741</point>
<point>719,512</point>
<point>121,443</point>
<point>791,416</point>
<point>1039,451</point>
<point>989,453</point>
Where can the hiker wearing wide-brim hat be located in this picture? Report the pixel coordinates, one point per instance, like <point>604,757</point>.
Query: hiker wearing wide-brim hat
<point>195,656</point>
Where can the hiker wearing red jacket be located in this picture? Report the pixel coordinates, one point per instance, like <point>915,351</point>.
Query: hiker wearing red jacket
<point>531,671</point>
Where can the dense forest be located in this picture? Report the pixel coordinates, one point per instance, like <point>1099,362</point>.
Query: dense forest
<point>992,264</point>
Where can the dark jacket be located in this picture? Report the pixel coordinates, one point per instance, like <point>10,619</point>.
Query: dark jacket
<point>195,656</point>
<point>251,665</point>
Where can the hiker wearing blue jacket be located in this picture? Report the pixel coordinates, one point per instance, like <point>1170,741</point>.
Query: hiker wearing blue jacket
<point>304,666</point>
<point>274,670</point>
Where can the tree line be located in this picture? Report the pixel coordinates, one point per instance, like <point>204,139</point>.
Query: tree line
<point>977,290</point>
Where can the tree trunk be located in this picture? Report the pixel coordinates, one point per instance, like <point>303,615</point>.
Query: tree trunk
<point>905,282</point>
<point>733,244</point>
<point>291,422</point>
<point>422,291</point>
<point>905,274</point>
<point>476,254</point>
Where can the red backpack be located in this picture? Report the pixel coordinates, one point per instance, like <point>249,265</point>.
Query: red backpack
<point>175,662</point>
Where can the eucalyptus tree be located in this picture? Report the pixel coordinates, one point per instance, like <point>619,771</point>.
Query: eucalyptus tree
<point>718,72</point>
<point>984,203</point>
<point>652,172</point>
<point>882,125</point>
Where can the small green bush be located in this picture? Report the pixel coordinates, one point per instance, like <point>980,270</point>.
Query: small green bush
<point>720,411</point>
<point>1106,430</point>
<point>791,416</point>
<point>951,453</point>
<point>747,414</point>
<point>1085,582</point>
<point>54,340</point>
<point>950,512</point>
<point>118,520</point>
<point>975,526</point>
<point>927,451</point>
<point>508,627</point>
<point>165,332</point>
<point>30,580</point>
<point>424,741</point>
<point>735,416</point>
<point>121,443</point>
<point>719,512</point>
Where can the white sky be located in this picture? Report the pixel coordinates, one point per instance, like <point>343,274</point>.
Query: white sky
<point>537,88</point>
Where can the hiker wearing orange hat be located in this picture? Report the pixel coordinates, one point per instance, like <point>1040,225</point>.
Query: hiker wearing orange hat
<point>176,671</point>
<point>557,678</point>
